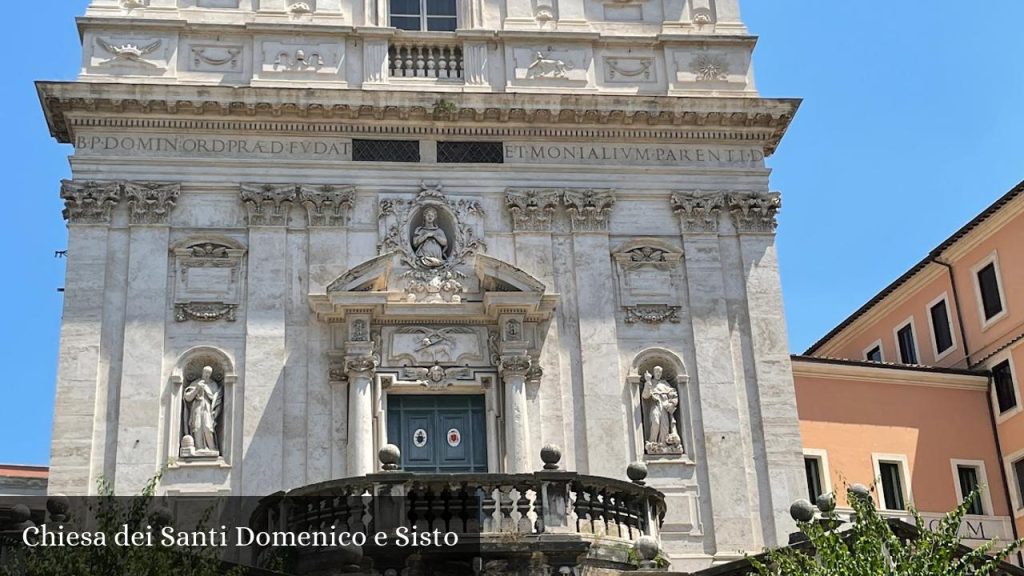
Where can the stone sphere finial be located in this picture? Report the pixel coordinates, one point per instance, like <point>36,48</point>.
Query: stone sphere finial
<point>551,455</point>
<point>826,502</point>
<point>161,516</point>
<point>637,472</point>
<point>20,513</point>
<point>802,510</point>
<point>859,491</point>
<point>58,506</point>
<point>390,457</point>
<point>647,549</point>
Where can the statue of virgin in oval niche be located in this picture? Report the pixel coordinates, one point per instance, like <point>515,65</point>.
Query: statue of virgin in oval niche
<point>430,241</point>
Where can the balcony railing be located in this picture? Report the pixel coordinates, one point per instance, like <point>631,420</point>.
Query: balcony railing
<point>425,59</point>
<point>491,509</point>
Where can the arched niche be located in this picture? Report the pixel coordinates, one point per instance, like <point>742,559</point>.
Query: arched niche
<point>661,404</point>
<point>188,445</point>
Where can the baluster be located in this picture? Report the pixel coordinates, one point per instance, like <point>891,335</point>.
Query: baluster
<point>420,62</point>
<point>490,521</point>
<point>458,64</point>
<point>392,60</point>
<point>409,65</point>
<point>442,61</point>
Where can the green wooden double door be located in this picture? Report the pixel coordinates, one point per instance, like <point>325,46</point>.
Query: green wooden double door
<point>439,433</point>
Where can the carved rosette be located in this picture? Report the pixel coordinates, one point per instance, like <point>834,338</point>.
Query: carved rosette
<point>531,209</point>
<point>698,211</point>
<point>755,212</point>
<point>89,202</point>
<point>151,202</point>
<point>268,204</point>
<point>589,209</point>
<point>515,366</point>
<point>327,205</point>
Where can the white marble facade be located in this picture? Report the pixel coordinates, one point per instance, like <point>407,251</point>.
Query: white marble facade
<point>218,217</point>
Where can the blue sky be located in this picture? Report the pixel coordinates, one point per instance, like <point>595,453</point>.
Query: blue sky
<point>911,125</point>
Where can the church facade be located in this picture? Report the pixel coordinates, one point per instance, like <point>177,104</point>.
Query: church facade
<point>300,232</point>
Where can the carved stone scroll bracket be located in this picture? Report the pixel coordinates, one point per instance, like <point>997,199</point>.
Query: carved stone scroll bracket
<point>327,205</point>
<point>268,204</point>
<point>653,314</point>
<point>589,209</point>
<point>151,202</point>
<point>698,211</point>
<point>755,212</point>
<point>531,209</point>
<point>89,202</point>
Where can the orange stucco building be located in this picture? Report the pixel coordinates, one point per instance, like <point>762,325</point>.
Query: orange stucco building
<point>917,391</point>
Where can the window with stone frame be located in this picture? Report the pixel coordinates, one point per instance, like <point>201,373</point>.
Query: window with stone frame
<point>425,15</point>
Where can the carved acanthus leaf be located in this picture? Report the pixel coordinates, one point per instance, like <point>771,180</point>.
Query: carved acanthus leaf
<point>151,202</point>
<point>327,205</point>
<point>268,204</point>
<point>89,202</point>
<point>698,211</point>
<point>589,209</point>
<point>531,209</point>
<point>517,365</point>
<point>755,212</point>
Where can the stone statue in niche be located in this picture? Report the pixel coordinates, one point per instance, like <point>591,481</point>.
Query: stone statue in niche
<point>661,401</point>
<point>203,401</point>
<point>430,241</point>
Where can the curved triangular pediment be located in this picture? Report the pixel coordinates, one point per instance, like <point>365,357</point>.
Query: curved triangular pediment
<point>500,276</point>
<point>370,276</point>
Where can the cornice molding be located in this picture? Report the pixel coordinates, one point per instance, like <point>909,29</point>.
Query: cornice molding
<point>751,120</point>
<point>884,374</point>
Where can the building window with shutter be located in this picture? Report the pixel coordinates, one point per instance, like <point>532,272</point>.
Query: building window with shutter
<point>893,483</point>
<point>989,290</point>
<point>1004,387</point>
<point>906,344</point>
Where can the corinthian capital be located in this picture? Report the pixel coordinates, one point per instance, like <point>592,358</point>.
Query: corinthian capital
<point>360,366</point>
<point>268,204</point>
<point>698,211</point>
<point>589,209</point>
<point>531,209</point>
<point>755,212</point>
<point>151,202</point>
<point>513,366</point>
<point>89,202</point>
<point>327,205</point>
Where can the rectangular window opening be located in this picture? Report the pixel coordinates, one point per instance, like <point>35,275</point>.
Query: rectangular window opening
<point>815,486</point>
<point>968,478</point>
<point>386,150</point>
<point>892,486</point>
<point>424,15</point>
<point>874,355</point>
<point>988,285</point>
<point>940,326</point>
<point>1018,473</point>
<point>908,350</point>
<point>1006,396</point>
<point>470,152</point>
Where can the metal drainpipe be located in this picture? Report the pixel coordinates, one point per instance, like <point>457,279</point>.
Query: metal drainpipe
<point>988,400</point>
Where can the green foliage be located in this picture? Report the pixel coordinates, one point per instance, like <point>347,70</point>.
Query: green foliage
<point>871,548</point>
<point>111,515</point>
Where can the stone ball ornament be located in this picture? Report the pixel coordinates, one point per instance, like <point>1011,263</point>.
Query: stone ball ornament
<point>647,549</point>
<point>57,506</point>
<point>802,510</point>
<point>161,516</point>
<point>637,472</point>
<point>826,502</point>
<point>860,491</point>
<point>551,455</point>
<point>390,457</point>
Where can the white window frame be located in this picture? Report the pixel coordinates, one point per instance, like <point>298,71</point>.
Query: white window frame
<point>821,455</point>
<point>993,259</point>
<point>424,17</point>
<point>1007,356</point>
<point>904,467</point>
<point>949,320</point>
<point>872,346</point>
<point>985,495</point>
<point>913,333</point>
<point>1011,482</point>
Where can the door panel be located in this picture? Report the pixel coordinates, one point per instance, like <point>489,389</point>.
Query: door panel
<point>439,433</point>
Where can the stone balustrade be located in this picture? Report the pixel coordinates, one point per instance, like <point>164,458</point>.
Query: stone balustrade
<point>425,58</point>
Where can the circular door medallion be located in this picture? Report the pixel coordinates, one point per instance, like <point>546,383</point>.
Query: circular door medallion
<point>454,438</point>
<point>419,438</point>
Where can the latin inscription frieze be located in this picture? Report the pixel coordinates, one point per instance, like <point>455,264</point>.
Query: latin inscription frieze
<point>200,146</point>
<point>632,154</point>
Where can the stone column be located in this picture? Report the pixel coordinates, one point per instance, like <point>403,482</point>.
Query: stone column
<point>262,458</point>
<point>605,402</point>
<point>360,369</point>
<point>726,458</point>
<point>139,452</point>
<point>754,216</point>
<point>513,371</point>
<point>87,209</point>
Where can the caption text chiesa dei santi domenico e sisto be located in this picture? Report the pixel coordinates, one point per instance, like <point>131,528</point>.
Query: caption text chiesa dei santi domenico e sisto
<point>303,230</point>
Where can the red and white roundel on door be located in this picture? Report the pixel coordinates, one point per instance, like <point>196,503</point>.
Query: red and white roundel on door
<point>454,438</point>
